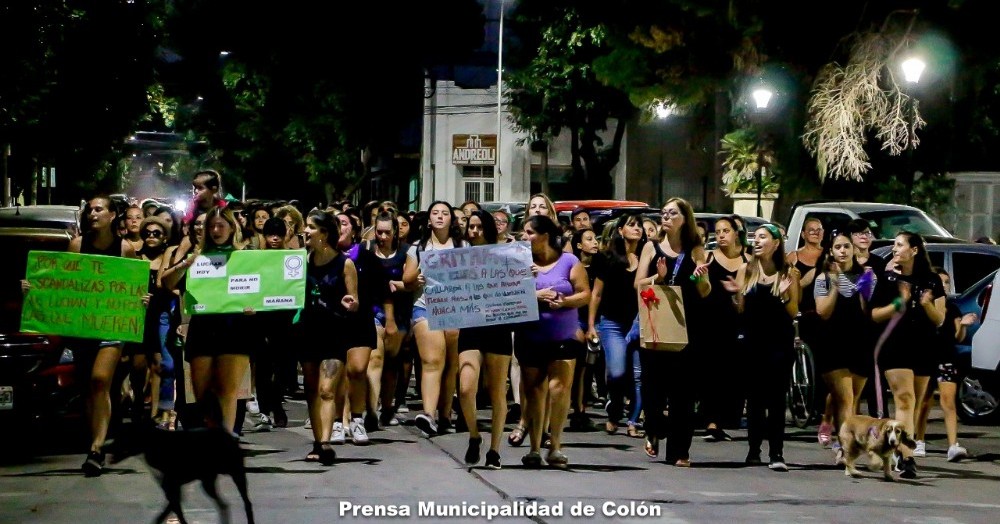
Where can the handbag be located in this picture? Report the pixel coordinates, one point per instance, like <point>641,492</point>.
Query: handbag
<point>662,322</point>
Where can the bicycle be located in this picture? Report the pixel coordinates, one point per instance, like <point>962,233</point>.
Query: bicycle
<point>802,385</point>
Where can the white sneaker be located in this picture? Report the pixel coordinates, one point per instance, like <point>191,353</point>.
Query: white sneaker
<point>338,433</point>
<point>263,423</point>
<point>358,434</point>
<point>253,408</point>
<point>956,453</point>
<point>403,409</point>
<point>308,424</point>
<point>920,450</point>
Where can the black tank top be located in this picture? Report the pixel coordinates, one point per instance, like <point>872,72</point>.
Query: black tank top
<point>114,250</point>
<point>807,303</point>
<point>325,286</point>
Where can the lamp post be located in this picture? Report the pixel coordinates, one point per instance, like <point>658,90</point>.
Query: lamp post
<point>663,111</point>
<point>913,67</point>
<point>761,97</point>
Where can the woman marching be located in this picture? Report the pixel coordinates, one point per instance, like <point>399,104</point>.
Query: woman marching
<point>215,365</point>
<point>100,361</point>
<point>842,292</point>
<point>721,406</point>
<point>910,303</point>
<point>331,294</point>
<point>548,348</point>
<point>489,348</point>
<point>612,310</point>
<point>679,259</point>
<point>767,296</point>
<point>438,349</point>
<point>392,318</point>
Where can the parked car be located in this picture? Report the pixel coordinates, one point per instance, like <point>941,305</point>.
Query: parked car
<point>966,262</point>
<point>36,370</point>
<point>980,389</point>
<point>885,220</point>
<point>602,211</point>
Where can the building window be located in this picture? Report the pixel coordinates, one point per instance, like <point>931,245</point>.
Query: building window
<point>478,182</point>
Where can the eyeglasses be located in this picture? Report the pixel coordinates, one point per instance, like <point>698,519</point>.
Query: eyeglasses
<point>155,233</point>
<point>863,234</point>
<point>501,222</point>
<point>815,231</point>
<point>671,214</point>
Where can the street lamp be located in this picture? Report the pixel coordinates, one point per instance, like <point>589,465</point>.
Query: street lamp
<point>913,67</point>
<point>761,97</point>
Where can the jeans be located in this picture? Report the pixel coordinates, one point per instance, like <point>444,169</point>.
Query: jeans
<point>618,357</point>
<point>166,365</point>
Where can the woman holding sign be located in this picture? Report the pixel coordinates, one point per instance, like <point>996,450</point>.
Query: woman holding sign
<point>214,365</point>
<point>678,260</point>
<point>99,238</point>
<point>487,346</point>
<point>548,348</point>
<point>438,349</point>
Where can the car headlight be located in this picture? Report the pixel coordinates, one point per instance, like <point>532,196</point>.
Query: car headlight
<point>66,357</point>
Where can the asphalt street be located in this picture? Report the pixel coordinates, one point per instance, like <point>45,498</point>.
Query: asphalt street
<point>610,479</point>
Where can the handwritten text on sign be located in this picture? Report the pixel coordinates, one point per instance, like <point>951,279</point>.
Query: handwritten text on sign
<point>85,296</point>
<point>262,279</point>
<point>479,286</point>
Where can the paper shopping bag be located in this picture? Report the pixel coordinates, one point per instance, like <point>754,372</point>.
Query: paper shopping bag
<point>662,324</point>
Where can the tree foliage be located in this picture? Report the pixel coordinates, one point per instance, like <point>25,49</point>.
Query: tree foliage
<point>557,89</point>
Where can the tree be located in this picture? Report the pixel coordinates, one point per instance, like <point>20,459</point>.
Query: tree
<point>300,93</point>
<point>75,80</point>
<point>556,90</point>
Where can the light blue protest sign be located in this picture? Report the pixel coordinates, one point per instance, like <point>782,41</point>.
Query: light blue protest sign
<point>479,286</point>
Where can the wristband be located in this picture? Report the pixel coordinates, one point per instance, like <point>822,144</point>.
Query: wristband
<point>897,303</point>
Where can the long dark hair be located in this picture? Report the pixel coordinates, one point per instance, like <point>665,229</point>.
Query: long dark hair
<point>329,224</point>
<point>921,261</point>
<point>544,225</point>
<point>454,230</point>
<point>824,260</point>
<point>489,225</point>
<point>616,250</point>
<point>577,238</point>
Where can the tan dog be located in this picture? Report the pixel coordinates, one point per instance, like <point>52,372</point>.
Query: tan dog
<point>879,437</point>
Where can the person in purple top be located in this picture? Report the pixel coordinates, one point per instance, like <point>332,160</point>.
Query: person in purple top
<point>549,347</point>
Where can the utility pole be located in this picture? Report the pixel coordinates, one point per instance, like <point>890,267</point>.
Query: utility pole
<point>6,177</point>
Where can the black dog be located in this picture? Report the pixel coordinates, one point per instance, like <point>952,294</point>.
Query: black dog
<point>180,457</point>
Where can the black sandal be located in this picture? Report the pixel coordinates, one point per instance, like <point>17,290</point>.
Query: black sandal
<point>316,453</point>
<point>327,455</point>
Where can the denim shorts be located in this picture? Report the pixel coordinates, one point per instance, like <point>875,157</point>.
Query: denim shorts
<point>419,313</point>
<point>401,325</point>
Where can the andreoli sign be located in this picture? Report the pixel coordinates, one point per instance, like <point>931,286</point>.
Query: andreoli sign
<point>474,150</point>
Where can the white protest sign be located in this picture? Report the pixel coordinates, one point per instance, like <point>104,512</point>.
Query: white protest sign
<point>479,286</point>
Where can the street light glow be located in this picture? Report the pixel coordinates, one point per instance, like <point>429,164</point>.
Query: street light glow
<point>762,97</point>
<point>664,110</point>
<point>912,69</point>
<point>180,205</point>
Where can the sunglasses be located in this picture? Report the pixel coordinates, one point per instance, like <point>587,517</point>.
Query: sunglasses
<point>155,233</point>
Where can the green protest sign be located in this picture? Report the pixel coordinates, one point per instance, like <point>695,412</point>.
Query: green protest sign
<point>229,282</point>
<point>85,296</point>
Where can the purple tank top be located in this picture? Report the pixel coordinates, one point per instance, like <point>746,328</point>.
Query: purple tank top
<point>559,324</point>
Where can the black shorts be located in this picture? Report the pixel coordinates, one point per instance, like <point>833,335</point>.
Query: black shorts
<point>326,336</point>
<point>487,339</point>
<point>221,334</point>
<point>948,372</point>
<point>541,354</point>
